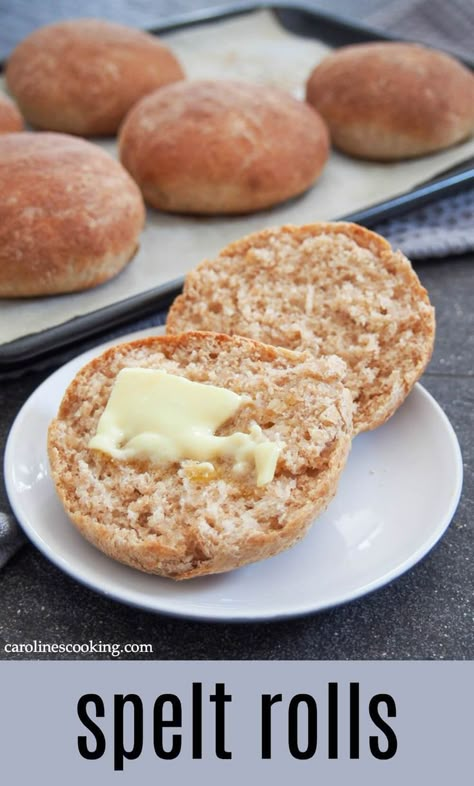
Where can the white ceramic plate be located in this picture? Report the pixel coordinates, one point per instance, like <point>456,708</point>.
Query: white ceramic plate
<point>397,495</point>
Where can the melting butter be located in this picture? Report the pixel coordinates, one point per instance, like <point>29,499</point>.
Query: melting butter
<point>162,417</point>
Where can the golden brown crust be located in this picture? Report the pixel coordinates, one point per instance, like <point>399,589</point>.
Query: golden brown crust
<point>10,118</point>
<point>222,147</point>
<point>82,76</point>
<point>327,288</point>
<point>70,215</point>
<point>389,101</point>
<point>159,518</point>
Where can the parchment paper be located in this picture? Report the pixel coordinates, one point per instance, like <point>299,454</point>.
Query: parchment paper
<point>252,48</point>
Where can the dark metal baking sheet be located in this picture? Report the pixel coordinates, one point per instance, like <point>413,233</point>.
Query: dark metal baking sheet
<point>15,354</point>
<point>303,20</point>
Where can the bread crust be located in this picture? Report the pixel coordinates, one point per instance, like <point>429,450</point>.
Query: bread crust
<point>326,288</point>
<point>10,118</point>
<point>82,76</point>
<point>388,101</point>
<point>70,215</point>
<point>214,147</point>
<point>160,519</point>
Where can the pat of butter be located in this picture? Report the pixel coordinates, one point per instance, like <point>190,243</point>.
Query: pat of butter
<point>163,417</point>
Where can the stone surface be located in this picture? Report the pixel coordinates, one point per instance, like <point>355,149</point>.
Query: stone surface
<point>425,614</point>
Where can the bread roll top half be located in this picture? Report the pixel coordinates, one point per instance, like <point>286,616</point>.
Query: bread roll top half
<point>325,288</point>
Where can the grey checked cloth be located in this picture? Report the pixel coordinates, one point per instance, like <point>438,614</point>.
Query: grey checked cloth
<point>447,24</point>
<point>11,537</point>
<point>444,228</point>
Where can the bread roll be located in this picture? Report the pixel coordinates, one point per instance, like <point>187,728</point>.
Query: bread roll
<point>70,215</point>
<point>165,518</point>
<point>222,147</point>
<point>83,75</point>
<point>388,101</point>
<point>10,118</point>
<point>327,288</point>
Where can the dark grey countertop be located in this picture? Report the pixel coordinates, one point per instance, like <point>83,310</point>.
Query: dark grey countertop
<point>427,613</point>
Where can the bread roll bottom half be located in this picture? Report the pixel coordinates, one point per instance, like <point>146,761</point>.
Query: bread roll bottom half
<point>166,517</point>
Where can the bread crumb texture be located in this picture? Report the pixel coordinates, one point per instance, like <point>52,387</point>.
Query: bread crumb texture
<point>174,521</point>
<point>330,288</point>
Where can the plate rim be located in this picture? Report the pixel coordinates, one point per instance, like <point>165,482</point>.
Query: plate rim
<point>224,615</point>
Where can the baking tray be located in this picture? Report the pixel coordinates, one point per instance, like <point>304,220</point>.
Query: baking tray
<point>302,20</point>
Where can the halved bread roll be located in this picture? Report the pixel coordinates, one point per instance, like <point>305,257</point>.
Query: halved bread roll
<point>168,517</point>
<point>327,288</point>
